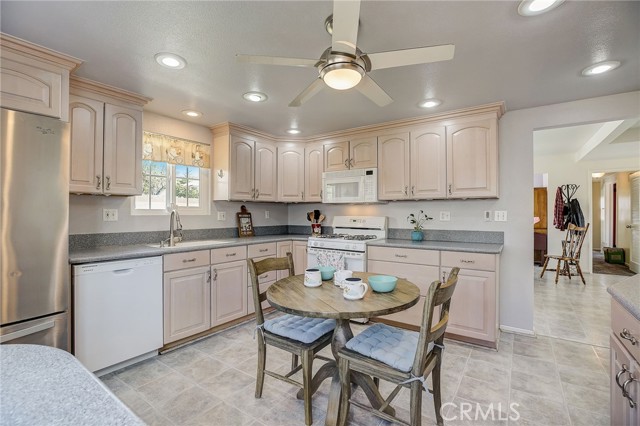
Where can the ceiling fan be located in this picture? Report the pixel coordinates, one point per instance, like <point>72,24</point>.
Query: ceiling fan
<point>343,66</point>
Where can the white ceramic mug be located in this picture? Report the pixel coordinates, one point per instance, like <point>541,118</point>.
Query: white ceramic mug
<point>312,277</point>
<point>354,287</point>
<point>340,276</point>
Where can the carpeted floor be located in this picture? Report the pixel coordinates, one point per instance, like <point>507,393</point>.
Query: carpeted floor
<point>602,267</point>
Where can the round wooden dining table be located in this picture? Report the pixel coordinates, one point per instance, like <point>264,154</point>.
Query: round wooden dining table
<point>290,295</point>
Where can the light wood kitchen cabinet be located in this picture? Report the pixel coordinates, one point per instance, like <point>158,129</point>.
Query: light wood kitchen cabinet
<point>299,257</point>
<point>313,168</point>
<point>245,166</point>
<point>228,291</point>
<point>412,165</point>
<point>623,367</point>
<point>34,79</point>
<point>474,305</point>
<point>358,153</point>
<point>187,303</point>
<point>291,173</point>
<point>420,267</point>
<point>106,139</point>
<point>472,158</point>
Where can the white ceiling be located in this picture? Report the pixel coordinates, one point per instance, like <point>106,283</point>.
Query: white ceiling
<point>500,56</point>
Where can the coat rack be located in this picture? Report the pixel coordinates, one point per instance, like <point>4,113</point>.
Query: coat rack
<point>568,191</point>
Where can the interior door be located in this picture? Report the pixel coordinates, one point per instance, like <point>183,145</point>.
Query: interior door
<point>634,252</point>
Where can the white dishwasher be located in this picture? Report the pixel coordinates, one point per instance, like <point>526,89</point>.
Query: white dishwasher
<point>117,311</point>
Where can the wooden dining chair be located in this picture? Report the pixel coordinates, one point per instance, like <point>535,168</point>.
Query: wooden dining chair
<point>302,337</point>
<point>403,357</point>
<point>570,257</point>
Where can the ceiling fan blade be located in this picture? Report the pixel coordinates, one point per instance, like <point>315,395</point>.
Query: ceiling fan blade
<point>371,90</point>
<point>275,60</point>
<point>346,15</point>
<point>419,55</point>
<point>307,93</point>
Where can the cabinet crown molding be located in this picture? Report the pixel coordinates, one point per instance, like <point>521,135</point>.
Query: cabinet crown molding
<point>81,83</point>
<point>23,47</point>
<point>496,108</point>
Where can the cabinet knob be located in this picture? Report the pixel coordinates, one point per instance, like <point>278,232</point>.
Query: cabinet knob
<point>193,259</point>
<point>257,194</point>
<point>620,373</point>
<point>208,276</point>
<point>321,195</point>
<point>215,274</point>
<point>406,189</point>
<point>108,180</point>
<point>449,189</point>
<point>413,187</point>
<point>628,336</point>
<point>625,393</point>
<point>98,182</point>
<point>346,163</point>
<point>351,162</point>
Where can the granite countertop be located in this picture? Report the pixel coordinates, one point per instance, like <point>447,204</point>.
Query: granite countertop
<point>441,245</point>
<point>627,293</point>
<point>107,253</point>
<point>42,385</point>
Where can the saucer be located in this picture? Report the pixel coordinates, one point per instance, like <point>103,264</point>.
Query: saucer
<point>346,296</point>
<point>313,285</point>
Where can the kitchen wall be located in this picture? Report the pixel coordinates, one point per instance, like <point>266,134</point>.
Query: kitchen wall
<point>563,169</point>
<point>596,215</point>
<point>85,211</point>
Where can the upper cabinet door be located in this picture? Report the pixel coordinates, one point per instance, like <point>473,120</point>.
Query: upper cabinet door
<point>393,170</point>
<point>336,156</point>
<point>290,173</point>
<point>428,163</point>
<point>122,150</point>
<point>241,168</point>
<point>313,172</point>
<point>472,159</point>
<point>87,126</point>
<point>363,153</point>
<point>266,163</point>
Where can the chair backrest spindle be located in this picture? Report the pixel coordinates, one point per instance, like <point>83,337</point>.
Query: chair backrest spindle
<point>258,268</point>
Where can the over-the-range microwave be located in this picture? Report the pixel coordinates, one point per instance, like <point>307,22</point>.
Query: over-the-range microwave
<point>350,186</point>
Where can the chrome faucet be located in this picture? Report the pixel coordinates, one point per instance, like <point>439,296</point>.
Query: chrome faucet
<point>173,238</point>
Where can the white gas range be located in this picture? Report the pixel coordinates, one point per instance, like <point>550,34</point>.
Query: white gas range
<point>348,244</point>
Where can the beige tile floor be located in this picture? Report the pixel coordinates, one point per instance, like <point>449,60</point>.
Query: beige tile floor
<point>553,381</point>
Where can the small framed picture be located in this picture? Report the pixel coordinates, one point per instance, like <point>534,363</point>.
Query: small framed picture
<point>245,225</point>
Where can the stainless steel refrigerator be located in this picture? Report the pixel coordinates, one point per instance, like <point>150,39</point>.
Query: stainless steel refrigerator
<point>34,217</point>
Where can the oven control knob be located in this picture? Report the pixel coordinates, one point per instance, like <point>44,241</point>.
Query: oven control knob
<point>321,244</point>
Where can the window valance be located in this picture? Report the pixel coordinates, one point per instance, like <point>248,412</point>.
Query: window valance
<point>169,149</point>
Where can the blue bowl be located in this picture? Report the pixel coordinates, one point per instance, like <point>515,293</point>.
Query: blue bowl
<point>382,283</point>
<point>327,272</point>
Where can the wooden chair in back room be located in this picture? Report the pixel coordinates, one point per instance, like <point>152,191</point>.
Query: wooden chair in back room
<point>302,337</point>
<point>570,257</point>
<point>405,358</point>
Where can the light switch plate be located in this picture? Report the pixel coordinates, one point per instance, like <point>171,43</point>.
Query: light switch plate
<point>500,215</point>
<point>222,215</point>
<point>445,216</point>
<point>110,215</point>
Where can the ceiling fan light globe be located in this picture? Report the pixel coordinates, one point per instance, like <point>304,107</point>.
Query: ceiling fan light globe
<point>342,75</point>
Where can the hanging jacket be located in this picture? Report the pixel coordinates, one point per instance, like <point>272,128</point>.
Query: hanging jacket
<point>575,215</point>
<point>558,211</point>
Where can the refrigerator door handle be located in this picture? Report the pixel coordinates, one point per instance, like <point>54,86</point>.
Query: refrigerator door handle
<point>27,331</point>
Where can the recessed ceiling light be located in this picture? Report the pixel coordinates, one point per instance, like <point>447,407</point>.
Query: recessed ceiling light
<point>293,131</point>
<point>600,68</point>
<point>192,113</point>
<point>171,60</point>
<point>255,97</point>
<point>430,103</point>
<point>536,7</point>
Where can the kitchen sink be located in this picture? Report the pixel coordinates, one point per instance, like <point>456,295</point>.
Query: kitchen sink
<point>194,243</point>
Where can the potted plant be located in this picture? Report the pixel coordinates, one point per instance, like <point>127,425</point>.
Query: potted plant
<point>418,222</point>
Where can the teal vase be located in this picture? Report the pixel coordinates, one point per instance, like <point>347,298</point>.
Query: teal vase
<point>416,235</point>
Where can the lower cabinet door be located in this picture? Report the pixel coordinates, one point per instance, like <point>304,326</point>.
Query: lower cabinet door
<point>228,292</point>
<point>187,306</point>
<point>473,305</point>
<point>420,275</point>
<point>299,257</point>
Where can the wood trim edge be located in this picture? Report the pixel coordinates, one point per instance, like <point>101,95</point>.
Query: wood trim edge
<point>81,83</point>
<point>36,51</point>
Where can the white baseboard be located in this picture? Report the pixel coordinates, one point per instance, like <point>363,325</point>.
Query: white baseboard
<point>516,330</point>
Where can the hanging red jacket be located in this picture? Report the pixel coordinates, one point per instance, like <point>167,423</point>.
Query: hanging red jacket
<point>558,211</point>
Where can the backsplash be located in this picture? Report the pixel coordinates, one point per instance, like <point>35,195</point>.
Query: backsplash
<point>484,237</point>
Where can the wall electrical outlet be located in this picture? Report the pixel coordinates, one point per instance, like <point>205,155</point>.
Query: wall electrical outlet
<point>500,215</point>
<point>445,216</point>
<point>266,214</point>
<point>487,216</point>
<point>222,215</point>
<point>110,215</point>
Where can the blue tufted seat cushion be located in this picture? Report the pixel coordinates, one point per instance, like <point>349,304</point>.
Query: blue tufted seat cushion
<point>393,346</point>
<point>302,329</point>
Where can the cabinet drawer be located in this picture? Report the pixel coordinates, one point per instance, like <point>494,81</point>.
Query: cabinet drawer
<point>394,254</point>
<point>420,275</point>
<point>189,259</point>
<point>622,319</point>
<point>477,261</point>
<point>262,250</point>
<point>267,276</point>
<point>228,254</point>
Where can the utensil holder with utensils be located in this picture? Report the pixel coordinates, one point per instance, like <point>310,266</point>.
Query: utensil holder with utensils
<point>316,218</point>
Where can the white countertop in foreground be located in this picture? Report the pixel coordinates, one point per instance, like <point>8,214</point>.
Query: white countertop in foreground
<point>627,293</point>
<point>41,385</point>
